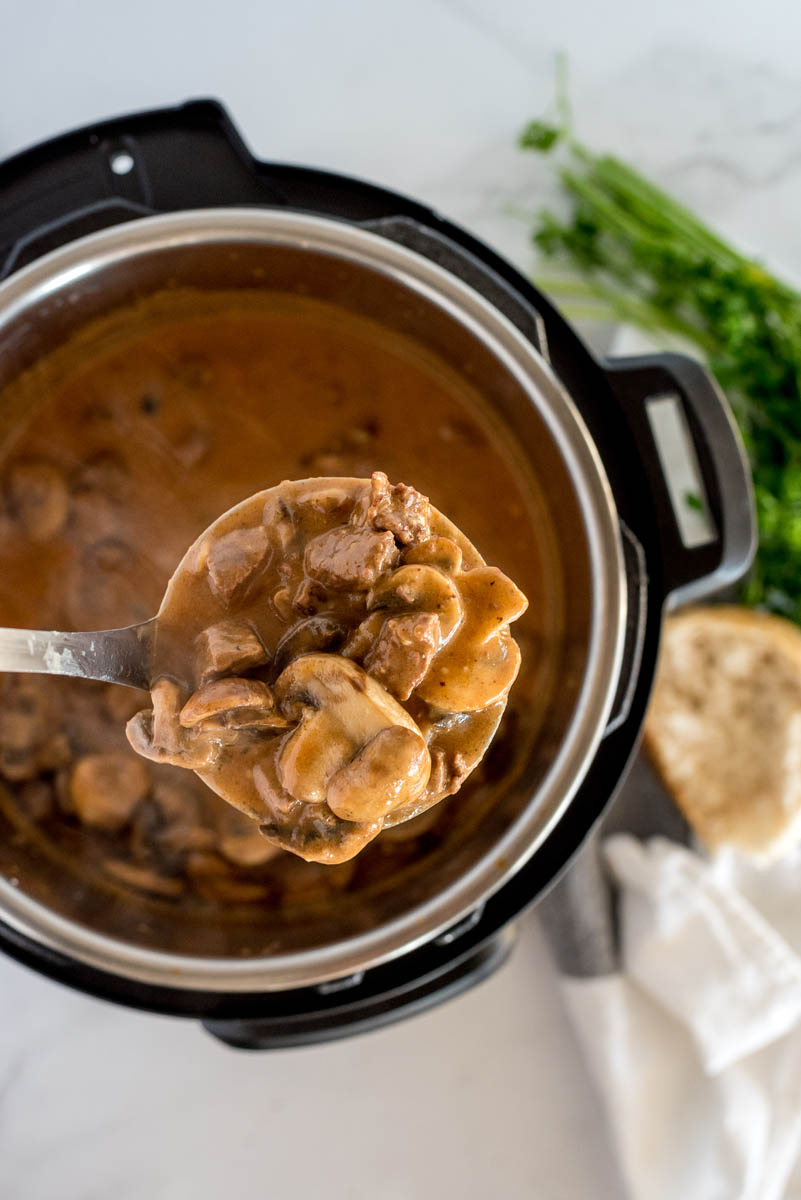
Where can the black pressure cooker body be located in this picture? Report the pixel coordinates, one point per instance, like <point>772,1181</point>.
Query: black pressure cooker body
<point>192,157</point>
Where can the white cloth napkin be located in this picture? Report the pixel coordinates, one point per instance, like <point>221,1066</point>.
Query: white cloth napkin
<point>696,1044</point>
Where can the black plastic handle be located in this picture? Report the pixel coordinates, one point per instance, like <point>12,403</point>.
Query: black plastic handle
<point>354,1006</point>
<point>162,160</point>
<point>692,572</point>
<point>190,156</point>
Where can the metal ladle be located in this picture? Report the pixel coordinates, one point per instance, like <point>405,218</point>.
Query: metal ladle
<point>112,655</point>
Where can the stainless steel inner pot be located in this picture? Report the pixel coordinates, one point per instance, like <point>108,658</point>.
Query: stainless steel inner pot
<point>45,303</point>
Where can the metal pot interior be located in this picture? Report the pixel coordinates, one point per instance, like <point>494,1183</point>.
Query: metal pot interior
<point>564,551</point>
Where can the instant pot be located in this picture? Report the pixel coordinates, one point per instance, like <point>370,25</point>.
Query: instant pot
<point>94,218</point>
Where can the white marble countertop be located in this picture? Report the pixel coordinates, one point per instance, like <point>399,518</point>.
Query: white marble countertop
<point>488,1095</point>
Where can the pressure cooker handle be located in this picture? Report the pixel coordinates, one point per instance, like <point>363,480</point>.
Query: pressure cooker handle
<point>680,419</point>
<point>190,156</point>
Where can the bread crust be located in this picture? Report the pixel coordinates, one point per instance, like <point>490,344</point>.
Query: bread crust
<point>724,726</point>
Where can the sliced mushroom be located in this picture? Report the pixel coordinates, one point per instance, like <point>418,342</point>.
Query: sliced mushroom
<point>480,663</point>
<point>308,636</point>
<point>277,517</point>
<point>318,836</point>
<point>156,733</point>
<point>29,728</point>
<point>36,799</point>
<point>38,499</point>
<point>417,587</point>
<point>232,704</point>
<point>339,710</point>
<point>167,698</point>
<point>105,789</point>
<point>490,601</point>
<point>143,879</point>
<point>390,772</point>
<point>239,839</point>
<point>309,597</point>
<point>282,603</point>
<point>439,552</point>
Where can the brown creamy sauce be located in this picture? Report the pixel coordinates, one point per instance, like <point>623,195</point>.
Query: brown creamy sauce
<point>331,657</point>
<point>117,451</point>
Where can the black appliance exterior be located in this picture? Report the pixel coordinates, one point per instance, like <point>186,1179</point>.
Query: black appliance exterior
<point>193,157</point>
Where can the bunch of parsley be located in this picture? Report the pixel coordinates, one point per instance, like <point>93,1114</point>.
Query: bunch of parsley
<point>645,259</point>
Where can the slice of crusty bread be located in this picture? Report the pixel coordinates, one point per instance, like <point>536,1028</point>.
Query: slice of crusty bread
<point>724,726</point>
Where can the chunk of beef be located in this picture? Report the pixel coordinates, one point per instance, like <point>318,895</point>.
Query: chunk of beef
<point>30,738</point>
<point>349,558</point>
<point>402,653</point>
<point>106,789</point>
<point>228,648</point>
<point>449,769</point>
<point>400,509</point>
<point>234,558</point>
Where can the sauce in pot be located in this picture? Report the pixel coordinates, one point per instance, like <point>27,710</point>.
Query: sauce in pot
<point>116,451</point>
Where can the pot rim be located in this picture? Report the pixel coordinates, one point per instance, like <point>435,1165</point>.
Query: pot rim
<point>77,262</point>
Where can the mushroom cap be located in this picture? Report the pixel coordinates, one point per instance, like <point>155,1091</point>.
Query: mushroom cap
<point>481,662</point>
<point>355,760</point>
<point>340,709</point>
<point>390,772</point>
<point>419,587</point>
<point>316,680</point>
<point>232,703</point>
<point>438,551</point>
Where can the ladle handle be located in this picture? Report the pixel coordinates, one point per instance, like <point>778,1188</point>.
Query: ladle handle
<point>112,655</point>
